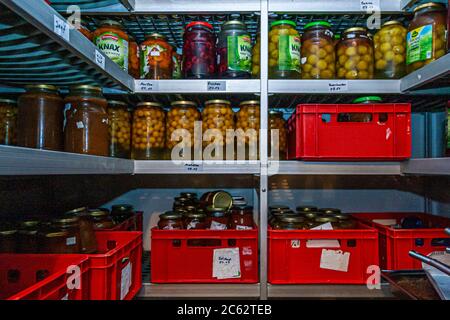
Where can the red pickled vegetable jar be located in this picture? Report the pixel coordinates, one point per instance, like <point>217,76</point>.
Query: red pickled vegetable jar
<point>199,51</point>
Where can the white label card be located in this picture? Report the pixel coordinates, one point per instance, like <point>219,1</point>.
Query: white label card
<point>148,86</point>
<point>334,260</point>
<point>100,59</point>
<point>226,263</point>
<point>217,226</point>
<point>338,86</point>
<point>71,241</point>
<point>193,167</point>
<point>370,5</point>
<point>125,283</point>
<point>61,28</point>
<point>216,86</point>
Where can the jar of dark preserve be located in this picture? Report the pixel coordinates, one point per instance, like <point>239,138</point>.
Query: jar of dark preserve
<point>196,220</point>
<point>71,225</point>
<point>170,221</point>
<point>58,241</point>
<point>218,217</point>
<point>122,212</point>
<point>199,51</point>
<point>101,219</point>
<point>28,237</point>
<point>241,218</point>
<point>8,239</point>
<point>8,122</point>
<point>86,225</point>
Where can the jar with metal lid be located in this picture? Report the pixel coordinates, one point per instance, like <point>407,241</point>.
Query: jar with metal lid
<point>284,50</point>
<point>234,51</point>
<point>170,221</point>
<point>58,241</point>
<point>217,117</point>
<point>241,218</point>
<point>101,219</point>
<point>318,57</point>
<point>190,195</point>
<point>199,51</point>
<point>355,55</point>
<point>88,240</point>
<point>8,239</point>
<point>426,39</point>
<point>239,202</point>
<point>181,203</point>
<point>156,57</point>
<point>196,221</point>
<point>8,122</point>
<point>86,130</point>
<point>28,237</point>
<point>277,122</point>
<point>256,57</point>
<point>112,39</point>
<point>216,199</point>
<point>119,129</point>
<point>248,120</point>
<point>306,209</point>
<point>345,221</point>
<point>180,126</point>
<point>290,223</point>
<point>275,215</point>
<point>134,59</point>
<point>81,25</point>
<point>218,218</point>
<point>176,64</point>
<point>122,212</point>
<point>71,225</point>
<point>40,118</point>
<point>390,51</point>
<point>320,220</point>
<point>329,211</point>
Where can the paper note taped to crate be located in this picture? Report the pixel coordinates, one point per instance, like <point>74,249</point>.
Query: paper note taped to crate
<point>323,243</point>
<point>385,222</point>
<point>226,263</point>
<point>334,260</point>
<point>126,281</point>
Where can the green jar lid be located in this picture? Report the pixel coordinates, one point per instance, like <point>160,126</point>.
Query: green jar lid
<point>317,23</point>
<point>279,22</point>
<point>368,99</point>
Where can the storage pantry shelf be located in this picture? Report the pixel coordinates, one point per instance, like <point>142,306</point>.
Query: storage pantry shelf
<point>200,167</point>
<point>431,166</point>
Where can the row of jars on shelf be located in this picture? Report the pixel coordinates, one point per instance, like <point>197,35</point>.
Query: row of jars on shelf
<point>72,232</point>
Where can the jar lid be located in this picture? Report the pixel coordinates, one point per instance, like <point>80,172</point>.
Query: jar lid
<point>292,219</point>
<point>56,234</point>
<point>275,113</point>
<point>29,232</point>
<point>170,215</point>
<point>199,23</point>
<point>330,210</point>
<point>29,223</point>
<point>183,103</point>
<point>188,195</point>
<point>117,103</point>
<point>8,101</point>
<point>42,86</point>
<point>155,36</point>
<point>280,22</point>
<point>122,207</point>
<point>391,23</point>
<point>429,4</point>
<point>304,209</point>
<point>149,104</point>
<point>325,219</point>
<point>196,215</point>
<point>355,29</point>
<point>98,213</point>
<point>278,207</point>
<point>217,101</point>
<point>310,215</point>
<point>284,213</point>
<point>342,216</point>
<point>190,208</point>
<point>76,211</point>
<point>66,220</point>
<point>86,87</point>
<point>243,103</point>
<point>367,99</point>
<point>110,22</point>
<point>8,231</point>
<point>317,23</point>
<point>234,22</point>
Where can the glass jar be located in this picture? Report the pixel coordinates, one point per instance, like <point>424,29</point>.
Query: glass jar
<point>112,39</point>
<point>234,51</point>
<point>119,129</point>
<point>180,123</point>
<point>248,119</point>
<point>156,57</point>
<point>8,122</point>
<point>176,63</point>
<point>306,209</point>
<point>71,225</point>
<point>218,218</point>
<point>134,59</point>
<point>191,196</point>
<point>40,118</point>
<point>196,221</point>
<point>216,199</point>
<point>57,241</point>
<point>88,240</point>
<point>199,51</point>
<point>284,50</point>
<point>217,115</point>
<point>426,39</point>
<point>256,57</point>
<point>355,55</point>
<point>101,219</point>
<point>277,122</point>
<point>290,223</point>
<point>345,221</point>
<point>241,218</point>
<point>318,58</point>
<point>148,131</point>
<point>170,221</point>
<point>320,220</point>
<point>121,212</point>
<point>331,211</point>
<point>8,239</point>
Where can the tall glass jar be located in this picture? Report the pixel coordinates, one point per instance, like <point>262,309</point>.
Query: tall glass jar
<point>256,57</point>
<point>248,119</point>
<point>134,59</point>
<point>40,118</point>
<point>8,122</point>
<point>148,131</point>
<point>219,117</point>
<point>80,25</point>
<point>119,129</point>
<point>87,129</point>
<point>156,57</point>
<point>390,51</point>
<point>277,122</point>
<point>426,39</point>
<point>199,51</point>
<point>8,239</point>
<point>88,241</point>
<point>176,63</point>
<point>182,116</point>
<point>318,59</point>
<point>284,50</point>
<point>112,39</point>
<point>234,51</point>
<point>355,55</point>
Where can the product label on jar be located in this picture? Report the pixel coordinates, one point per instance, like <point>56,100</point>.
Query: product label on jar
<point>239,53</point>
<point>419,44</point>
<point>239,227</point>
<point>192,225</point>
<point>71,241</point>
<point>114,47</point>
<point>151,56</point>
<point>289,53</point>
<point>218,226</point>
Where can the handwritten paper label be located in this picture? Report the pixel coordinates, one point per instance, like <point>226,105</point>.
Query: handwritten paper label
<point>71,241</point>
<point>370,5</point>
<point>147,86</point>
<point>334,260</point>
<point>193,167</point>
<point>61,28</point>
<point>125,283</point>
<point>216,86</point>
<point>217,226</point>
<point>100,59</point>
<point>226,263</point>
<point>337,86</point>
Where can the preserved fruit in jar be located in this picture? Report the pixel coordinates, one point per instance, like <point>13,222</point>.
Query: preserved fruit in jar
<point>248,119</point>
<point>88,241</point>
<point>199,51</point>
<point>390,51</point>
<point>40,118</point>
<point>241,218</point>
<point>8,122</point>
<point>317,51</point>
<point>101,219</point>
<point>87,129</point>
<point>112,39</point>
<point>148,131</point>
<point>234,51</point>
<point>196,221</point>
<point>156,57</point>
<point>176,64</point>
<point>80,25</point>
<point>426,38</point>
<point>134,59</point>
<point>256,57</point>
<point>284,50</point>
<point>276,122</point>
<point>218,218</point>
<point>170,221</point>
<point>119,129</point>
<point>355,55</point>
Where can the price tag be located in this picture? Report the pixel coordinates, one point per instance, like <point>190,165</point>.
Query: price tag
<point>193,167</point>
<point>61,28</point>
<point>370,5</point>
<point>216,86</point>
<point>100,59</point>
<point>334,260</point>
<point>226,263</point>
<point>148,86</point>
<point>337,86</point>
<point>125,283</point>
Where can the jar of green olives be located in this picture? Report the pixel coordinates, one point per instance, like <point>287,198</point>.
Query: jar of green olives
<point>256,57</point>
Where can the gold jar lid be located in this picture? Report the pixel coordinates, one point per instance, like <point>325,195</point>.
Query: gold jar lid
<point>149,104</point>
<point>76,211</point>
<point>99,213</point>
<point>235,23</point>
<point>183,103</point>
<point>8,232</point>
<point>8,101</point>
<point>244,103</point>
<point>355,29</point>
<point>66,220</point>
<point>86,87</point>
<point>429,5</point>
<point>48,87</point>
<point>155,36</point>
<point>110,22</point>
<point>392,23</point>
<point>117,103</point>
<point>29,223</point>
<point>217,101</point>
<point>56,234</point>
<point>325,219</point>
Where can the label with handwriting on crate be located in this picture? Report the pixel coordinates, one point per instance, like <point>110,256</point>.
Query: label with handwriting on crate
<point>337,86</point>
<point>226,263</point>
<point>216,86</point>
<point>148,86</point>
<point>61,28</point>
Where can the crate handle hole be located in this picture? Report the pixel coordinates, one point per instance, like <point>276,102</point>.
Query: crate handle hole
<point>176,243</point>
<point>440,242</point>
<point>13,276</point>
<point>355,117</point>
<point>382,117</point>
<point>41,275</point>
<point>204,243</point>
<point>351,243</point>
<point>232,242</point>
<point>326,117</point>
<point>419,242</point>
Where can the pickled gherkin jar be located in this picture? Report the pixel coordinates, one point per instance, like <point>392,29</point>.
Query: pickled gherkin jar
<point>119,129</point>
<point>248,120</point>
<point>176,64</point>
<point>390,51</point>
<point>276,122</point>
<point>8,122</point>
<point>256,57</point>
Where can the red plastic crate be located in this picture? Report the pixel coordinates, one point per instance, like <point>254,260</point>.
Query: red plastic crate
<point>186,256</point>
<point>314,132</point>
<point>120,255</point>
<point>395,244</point>
<point>292,262</point>
<point>20,276</point>
<point>135,223</point>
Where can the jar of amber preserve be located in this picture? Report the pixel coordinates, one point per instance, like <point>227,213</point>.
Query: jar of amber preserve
<point>134,59</point>
<point>119,129</point>
<point>28,237</point>
<point>8,122</point>
<point>87,129</point>
<point>247,119</point>
<point>71,225</point>
<point>40,118</point>
<point>170,221</point>
<point>156,57</point>
<point>8,239</point>
<point>88,240</point>
<point>101,219</point>
<point>112,39</point>
<point>277,122</point>
<point>196,221</point>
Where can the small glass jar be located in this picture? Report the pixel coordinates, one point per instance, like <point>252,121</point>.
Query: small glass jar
<point>171,221</point>
<point>256,57</point>
<point>277,122</point>
<point>87,129</point>
<point>112,39</point>
<point>248,119</point>
<point>40,118</point>
<point>241,218</point>
<point>284,50</point>
<point>134,59</point>
<point>320,220</point>
<point>199,51</point>
<point>8,239</point>
<point>216,199</point>
<point>119,130</point>
<point>88,240</point>
<point>101,219</point>
<point>58,241</point>
<point>148,131</point>
<point>191,196</point>
<point>156,57</point>
<point>8,122</point>
<point>345,221</point>
<point>196,221</point>
<point>290,223</point>
<point>355,55</point>
<point>306,209</point>
<point>318,57</point>
<point>71,225</point>
<point>234,51</point>
<point>218,218</point>
<point>176,63</point>
<point>331,211</point>
<point>122,212</point>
